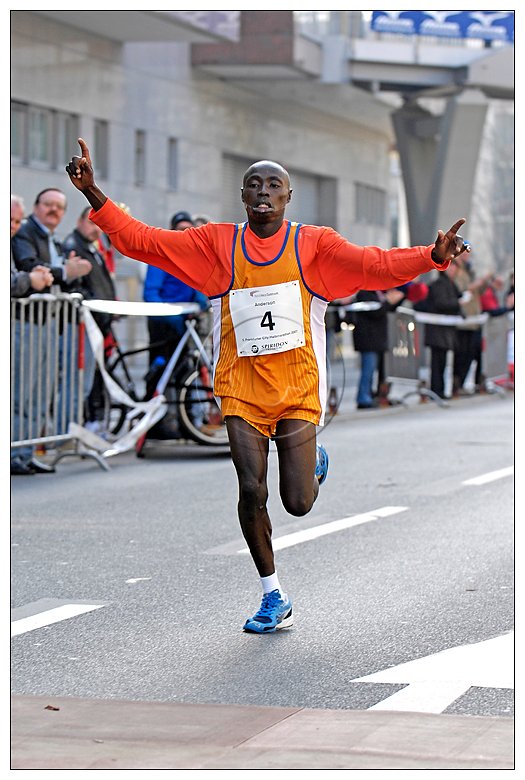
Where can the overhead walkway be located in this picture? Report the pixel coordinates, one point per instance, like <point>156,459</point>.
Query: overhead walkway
<point>433,98</point>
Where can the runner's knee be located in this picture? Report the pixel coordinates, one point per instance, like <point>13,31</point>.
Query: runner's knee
<point>253,495</point>
<point>297,504</point>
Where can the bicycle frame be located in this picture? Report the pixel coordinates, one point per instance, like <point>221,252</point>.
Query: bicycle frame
<point>190,334</point>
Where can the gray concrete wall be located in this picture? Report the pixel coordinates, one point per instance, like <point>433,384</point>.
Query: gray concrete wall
<point>151,87</point>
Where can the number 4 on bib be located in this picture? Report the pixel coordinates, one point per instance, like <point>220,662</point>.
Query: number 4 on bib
<point>267,321</point>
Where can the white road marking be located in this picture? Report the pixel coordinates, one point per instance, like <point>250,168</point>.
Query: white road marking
<point>436,681</point>
<point>423,697</point>
<point>280,542</point>
<point>490,477</point>
<point>50,616</point>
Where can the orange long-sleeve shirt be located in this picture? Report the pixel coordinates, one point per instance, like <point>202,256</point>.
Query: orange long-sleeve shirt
<point>222,259</point>
<point>332,267</point>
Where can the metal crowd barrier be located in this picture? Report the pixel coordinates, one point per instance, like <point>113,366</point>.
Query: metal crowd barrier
<point>498,357</point>
<point>407,359</point>
<point>47,372</point>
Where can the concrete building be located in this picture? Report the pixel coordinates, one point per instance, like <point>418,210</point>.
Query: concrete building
<point>176,105</point>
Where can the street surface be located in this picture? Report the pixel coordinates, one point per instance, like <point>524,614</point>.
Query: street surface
<point>134,584</point>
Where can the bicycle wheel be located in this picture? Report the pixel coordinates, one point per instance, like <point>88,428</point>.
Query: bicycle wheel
<point>199,412</point>
<point>113,415</point>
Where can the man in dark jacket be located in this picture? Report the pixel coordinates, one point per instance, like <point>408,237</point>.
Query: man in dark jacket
<point>370,336</point>
<point>443,298</point>
<point>35,243</point>
<point>97,284</point>
<point>23,284</point>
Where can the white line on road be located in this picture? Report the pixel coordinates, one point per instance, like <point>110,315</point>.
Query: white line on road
<point>280,542</point>
<point>490,477</point>
<point>50,616</point>
<point>424,697</point>
<point>435,681</point>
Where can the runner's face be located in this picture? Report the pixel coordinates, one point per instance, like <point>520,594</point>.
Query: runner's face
<point>265,193</point>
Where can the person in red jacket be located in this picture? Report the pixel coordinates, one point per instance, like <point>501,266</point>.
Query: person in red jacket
<point>269,281</point>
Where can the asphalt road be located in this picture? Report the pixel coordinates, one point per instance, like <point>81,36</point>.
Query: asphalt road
<point>155,546</point>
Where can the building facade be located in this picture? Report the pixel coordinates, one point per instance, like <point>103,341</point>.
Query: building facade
<point>176,105</point>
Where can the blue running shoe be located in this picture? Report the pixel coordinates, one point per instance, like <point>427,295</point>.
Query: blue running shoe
<point>321,467</point>
<point>274,613</point>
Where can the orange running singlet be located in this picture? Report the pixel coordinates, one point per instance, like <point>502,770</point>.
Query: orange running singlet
<point>269,338</point>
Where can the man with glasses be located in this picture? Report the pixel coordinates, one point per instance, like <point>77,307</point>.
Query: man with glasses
<point>35,243</point>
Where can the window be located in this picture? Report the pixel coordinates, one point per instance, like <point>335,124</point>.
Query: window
<point>42,138</point>
<point>101,148</point>
<point>40,122</point>
<point>173,164</point>
<point>370,205</point>
<point>18,132</point>
<point>66,136</point>
<point>140,157</point>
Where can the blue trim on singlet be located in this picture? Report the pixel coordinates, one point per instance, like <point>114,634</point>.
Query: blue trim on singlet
<point>296,242</point>
<point>268,262</point>
<point>221,295</point>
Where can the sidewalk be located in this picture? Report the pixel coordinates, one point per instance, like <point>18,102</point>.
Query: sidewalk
<point>67,733</point>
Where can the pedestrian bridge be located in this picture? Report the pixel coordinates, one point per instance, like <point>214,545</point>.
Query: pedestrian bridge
<point>431,95</point>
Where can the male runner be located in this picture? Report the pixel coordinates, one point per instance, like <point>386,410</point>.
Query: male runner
<point>269,281</point>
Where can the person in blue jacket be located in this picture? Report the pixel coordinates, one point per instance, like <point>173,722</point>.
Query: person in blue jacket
<point>166,332</point>
<point>161,287</point>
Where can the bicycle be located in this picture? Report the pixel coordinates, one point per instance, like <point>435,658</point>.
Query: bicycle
<point>185,380</point>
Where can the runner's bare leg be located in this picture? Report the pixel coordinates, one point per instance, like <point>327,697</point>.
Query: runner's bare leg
<point>296,446</point>
<point>249,450</point>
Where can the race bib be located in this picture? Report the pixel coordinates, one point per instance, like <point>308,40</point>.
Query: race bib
<point>267,319</point>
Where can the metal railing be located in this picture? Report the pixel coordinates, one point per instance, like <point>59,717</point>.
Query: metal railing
<point>407,359</point>
<point>47,371</point>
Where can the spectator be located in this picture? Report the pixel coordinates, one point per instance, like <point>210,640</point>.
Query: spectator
<point>35,244</point>
<point>443,298</point>
<point>370,336</point>
<point>468,346</point>
<point>161,287</point>
<point>104,247</point>
<point>509,303</point>
<point>490,298</point>
<point>415,292</point>
<point>332,321</point>
<point>509,295</point>
<point>97,284</point>
<point>24,283</point>
<point>200,219</point>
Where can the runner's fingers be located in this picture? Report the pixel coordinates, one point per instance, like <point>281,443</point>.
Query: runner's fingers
<point>455,227</point>
<point>84,149</point>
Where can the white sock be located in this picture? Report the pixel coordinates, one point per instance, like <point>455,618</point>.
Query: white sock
<point>271,583</point>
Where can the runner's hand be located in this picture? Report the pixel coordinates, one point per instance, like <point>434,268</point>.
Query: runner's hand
<point>80,169</point>
<point>449,245</point>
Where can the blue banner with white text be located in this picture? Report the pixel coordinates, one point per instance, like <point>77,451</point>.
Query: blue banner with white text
<point>487,25</point>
